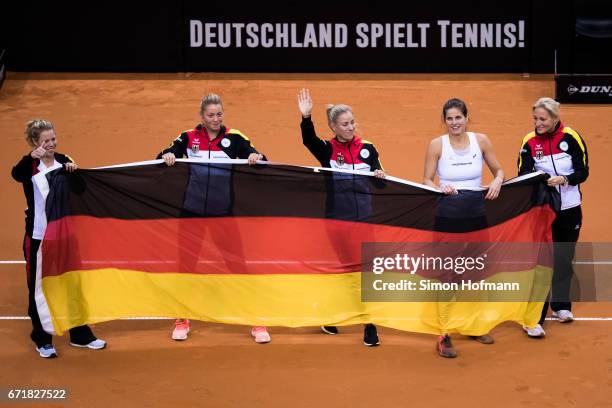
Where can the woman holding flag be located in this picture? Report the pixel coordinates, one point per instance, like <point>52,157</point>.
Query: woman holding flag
<point>210,140</point>
<point>345,151</point>
<point>457,158</point>
<point>561,153</point>
<point>40,135</point>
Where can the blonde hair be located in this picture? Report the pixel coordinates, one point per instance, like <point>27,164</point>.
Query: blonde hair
<point>333,111</point>
<point>550,105</point>
<point>210,99</point>
<point>34,128</point>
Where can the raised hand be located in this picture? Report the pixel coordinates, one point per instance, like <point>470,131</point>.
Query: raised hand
<point>305,102</point>
<point>38,153</point>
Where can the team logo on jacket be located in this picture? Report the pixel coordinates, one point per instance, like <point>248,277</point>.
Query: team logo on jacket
<point>226,142</point>
<point>563,146</point>
<point>195,148</point>
<point>340,159</point>
<point>539,153</point>
<point>364,153</point>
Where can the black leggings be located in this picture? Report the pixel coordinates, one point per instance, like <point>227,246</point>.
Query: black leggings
<point>565,231</point>
<point>78,335</point>
<point>461,212</point>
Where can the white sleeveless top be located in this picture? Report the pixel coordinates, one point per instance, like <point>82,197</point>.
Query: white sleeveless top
<point>460,168</point>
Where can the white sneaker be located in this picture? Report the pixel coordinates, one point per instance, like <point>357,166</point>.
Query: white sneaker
<point>536,331</point>
<point>97,344</point>
<point>564,316</point>
<point>181,329</point>
<point>47,351</point>
<point>261,334</point>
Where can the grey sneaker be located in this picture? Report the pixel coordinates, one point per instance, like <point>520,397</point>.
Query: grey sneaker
<point>535,332</point>
<point>47,351</point>
<point>564,316</point>
<point>97,344</point>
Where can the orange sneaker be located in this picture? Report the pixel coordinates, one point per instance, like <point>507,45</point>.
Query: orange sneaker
<point>261,334</point>
<point>181,329</point>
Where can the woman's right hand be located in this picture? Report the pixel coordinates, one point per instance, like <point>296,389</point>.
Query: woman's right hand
<point>38,153</point>
<point>169,159</point>
<point>305,102</point>
<point>448,189</point>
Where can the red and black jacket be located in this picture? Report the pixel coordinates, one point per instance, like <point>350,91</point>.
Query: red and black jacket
<point>22,172</point>
<point>562,152</point>
<point>357,154</point>
<point>210,187</point>
<point>195,143</point>
<point>348,195</point>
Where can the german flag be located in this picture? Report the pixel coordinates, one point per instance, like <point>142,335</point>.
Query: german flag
<point>275,245</point>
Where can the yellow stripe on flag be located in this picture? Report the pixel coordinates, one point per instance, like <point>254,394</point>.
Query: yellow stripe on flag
<point>93,296</point>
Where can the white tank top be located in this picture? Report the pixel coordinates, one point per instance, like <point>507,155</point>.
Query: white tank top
<point>460,168</point>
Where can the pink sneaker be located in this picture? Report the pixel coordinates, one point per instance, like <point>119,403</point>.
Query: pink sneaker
<point>261,334</point>
<point>181,329</point>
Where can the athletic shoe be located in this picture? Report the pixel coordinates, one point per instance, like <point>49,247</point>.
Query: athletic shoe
<point>370,335</point>
<point>261,334</point>
<point>181,329</point>
<point>329,329</point>
<point>47,351</point>
<point>484,339</point>
<point>564,316</point>
<point>535,332</point>
<point>97,344</point>
<point>444,345</point>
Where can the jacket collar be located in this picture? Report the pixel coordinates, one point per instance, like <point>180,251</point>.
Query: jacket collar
<point>557,130</point>
<point>202,129</point>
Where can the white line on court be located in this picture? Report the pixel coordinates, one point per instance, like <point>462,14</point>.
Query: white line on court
<point>592,262</point>
<point>588,319</point>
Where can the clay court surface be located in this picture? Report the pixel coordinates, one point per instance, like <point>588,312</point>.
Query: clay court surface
<point>104,119</point>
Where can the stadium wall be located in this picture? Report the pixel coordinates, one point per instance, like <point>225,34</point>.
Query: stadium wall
<point>291,36</point>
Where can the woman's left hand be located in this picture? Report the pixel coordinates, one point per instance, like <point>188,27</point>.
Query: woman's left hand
<point>253,157</point>
<point>556,181</point>
<point>70,167</point>
<point>494,188</point>
<point>379,174</point>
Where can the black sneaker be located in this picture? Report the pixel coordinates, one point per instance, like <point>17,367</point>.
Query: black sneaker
<point>370,335</point>
<point>445,348</point>
<point>329,329</point>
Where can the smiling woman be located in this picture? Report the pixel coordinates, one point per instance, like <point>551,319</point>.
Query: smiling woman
<point>561,153</point>
<point>213,141</point>
<point>457,158</point>
<point>40,135</point>
<point>345,151</point>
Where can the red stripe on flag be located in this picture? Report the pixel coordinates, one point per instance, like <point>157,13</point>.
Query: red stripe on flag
<point>278,245</point>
